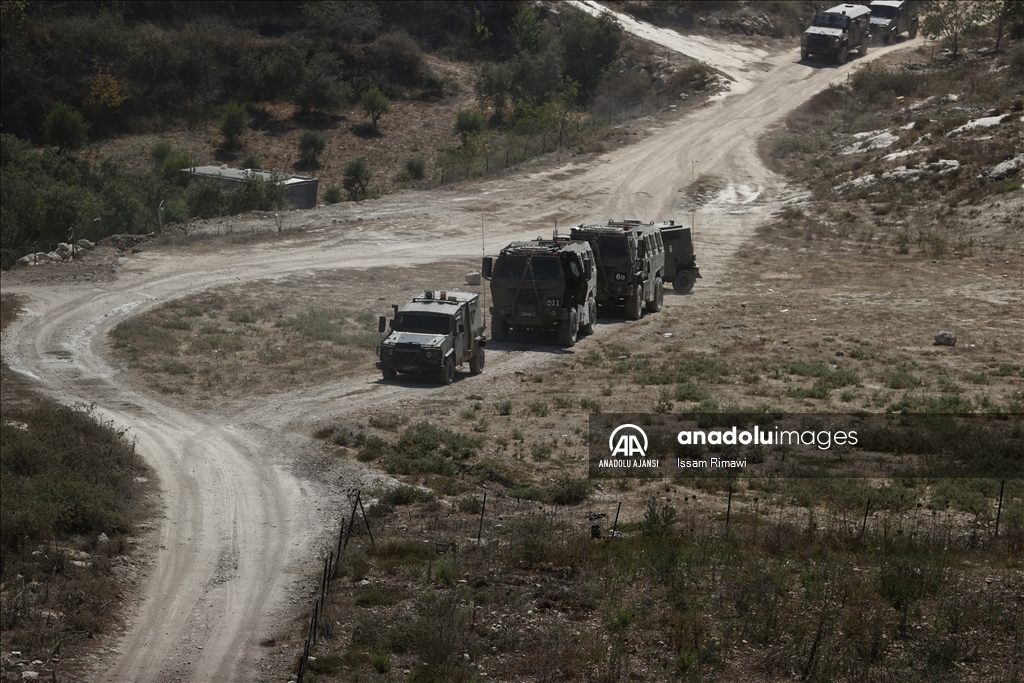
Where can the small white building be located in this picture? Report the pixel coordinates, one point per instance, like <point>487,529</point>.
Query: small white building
<point>299,190</point>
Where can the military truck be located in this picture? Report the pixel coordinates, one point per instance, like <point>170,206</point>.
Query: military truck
<point>630,264</point>
<point>543,285</point>
<point>433,335</point>
<point>837,31</point>
<point>680,263</point>
<point>890,19</point>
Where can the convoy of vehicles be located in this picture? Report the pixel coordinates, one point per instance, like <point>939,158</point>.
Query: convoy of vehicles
<point>838,31</point>
<point>540,285</point>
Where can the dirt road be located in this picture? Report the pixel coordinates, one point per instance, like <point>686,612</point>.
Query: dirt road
<point>237,541</point>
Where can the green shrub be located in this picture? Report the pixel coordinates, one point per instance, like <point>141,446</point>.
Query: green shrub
<point>375,104</point>
<point>322,86</point>
<point>356,179</point>
<point>332,194</point>
<point>65,128</point>
<point>252,160</point>
<point>205,198</point>
<point>234,124</point>
<point>311,144</point>
<point>415,168</point>
<point>469,122</point>
<point>160,151</point>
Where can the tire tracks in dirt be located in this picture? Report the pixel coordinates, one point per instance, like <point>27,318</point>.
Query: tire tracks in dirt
<point>237,540</point>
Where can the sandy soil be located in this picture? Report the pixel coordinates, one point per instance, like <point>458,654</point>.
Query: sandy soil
<point>242,524</point>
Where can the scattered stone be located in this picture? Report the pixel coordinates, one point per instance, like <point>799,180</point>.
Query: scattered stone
<point>473,278</point>
<point>85,244</point>
<point>840,353</point>
<point>103,538</point>
<point>945,339</point>
<point>1004,169</point>
<point>29,675</point>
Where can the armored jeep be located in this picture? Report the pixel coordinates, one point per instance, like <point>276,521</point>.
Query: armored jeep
<point>837,31</point>
<point>543,285</point>
<point>680,263</point>
<point>433,335</point>
<point>630,264</point>
<point>890,19</point>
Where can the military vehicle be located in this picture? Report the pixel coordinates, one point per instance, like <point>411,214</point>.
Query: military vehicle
<point>837,31</point>
<point>680,263</point>
<point>543,285</point>
<point>433,335</point>
<point>630,264</point>
<point>890,19</point>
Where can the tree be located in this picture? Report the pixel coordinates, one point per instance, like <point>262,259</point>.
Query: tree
<point>311,144</point>
<point>375,105</point>
<point>322,87</point>
<point>234,125</point>
<point>953,19</point>
<point>469,122</point>
<point>1009,12</point>
<point>590,45</point>
<point>65,128</point>
<point>357,177</point>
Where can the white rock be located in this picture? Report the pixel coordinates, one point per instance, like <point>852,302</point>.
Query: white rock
<point>473,278</point>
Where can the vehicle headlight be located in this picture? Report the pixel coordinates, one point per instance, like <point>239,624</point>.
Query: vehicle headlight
<point>430,354</point>
<point>835,41</point>
<point>391,351</point>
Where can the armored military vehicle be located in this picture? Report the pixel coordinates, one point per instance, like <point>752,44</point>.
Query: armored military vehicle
<point>630,264</point>
<point>890,19</point>
<point>837,31</point>
<point>680,263</point>
<point>433,335</point>
<point>543,285</point>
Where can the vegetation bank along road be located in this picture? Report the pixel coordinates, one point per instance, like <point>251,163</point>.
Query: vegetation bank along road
<point>238,534</point>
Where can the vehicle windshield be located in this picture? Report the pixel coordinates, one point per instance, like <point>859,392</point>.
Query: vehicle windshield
<point>514,267</point>
<point>884,11</point>
<point>829,20</point>
<point>613,246</point>
<point>425,323</point>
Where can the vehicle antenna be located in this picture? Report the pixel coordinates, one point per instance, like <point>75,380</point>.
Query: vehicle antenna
<point>483,287</point>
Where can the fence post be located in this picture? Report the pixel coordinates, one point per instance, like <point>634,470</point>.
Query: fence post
<point>864,524</point>
<point>616,524</point>
<point>480,529</point>
<point>351,521</point>
<point>728,508</point>
<point>365,520</point>
<point>999,510</point>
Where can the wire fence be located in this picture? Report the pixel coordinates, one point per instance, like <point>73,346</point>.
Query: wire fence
<point>318,625</point>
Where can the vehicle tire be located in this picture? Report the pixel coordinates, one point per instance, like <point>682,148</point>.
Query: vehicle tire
<point>568,330</point>
<point>448,372</point>
<point>499,330</point>
<point>913,30</point>
<point>864,47</point>
<point>683,282</point>
<point>635,306</point>
<point>887,38</point>
<point>804,54</point>
<point>388,373</point>
<point>654,305</point>
<point>841,57</point>
<point>587,329</point>
<point>476,363</point>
